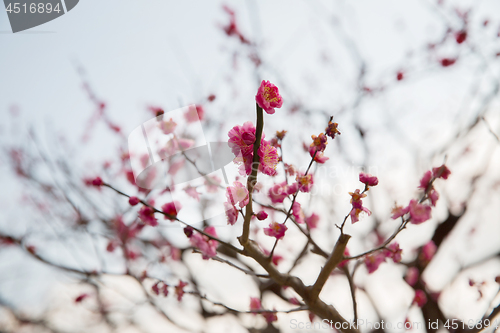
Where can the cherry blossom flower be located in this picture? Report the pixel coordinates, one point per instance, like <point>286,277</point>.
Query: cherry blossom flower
<point>332,129</point>
<point>270,316</point>
<point>399,211</point>
<point>276,230</point>
<point>357,206</point>
<point>319,157</point>
<point>191,191</point>
<point>412,276</point>
<point>425,181</point>
<point>441,172</point>
<point>147,215</point>
<point>262,215</point>
<point>420,298</point>
<point>418,212</point>
<point>133,201</point>
<point>207,246</point>
<point>298,213</point>
<point>255,304</point>
<point>319,142</point>
<point>268,158</point>
<point>268,97</point>
<point>368,179</point>
<point>97,181</point>
<point>168,126</point>
<point>278,193</point>
<point>461,36</point>
<point>171,209</point>
<point>242,138</point>
<point>245,162</point>
<point>231,213</point>
<point>373,261</point>
<point>194,113</point>
<point>394,251</point>
<point>312,221</point>
<point>212,183</point>
<point>305,182</point>
<point>179,290</point>
<point>433,197</point>
<point>237,193</point>
<point>428,251</point>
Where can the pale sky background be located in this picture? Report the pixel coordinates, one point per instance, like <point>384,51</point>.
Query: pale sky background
<point>172,53</point>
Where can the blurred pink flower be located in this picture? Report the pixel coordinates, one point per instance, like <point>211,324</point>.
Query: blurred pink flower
<point>305,182</point>
<point>419,213</point>
<point>298,213</point>
<point>312,221</point>
<point>231,213</point>
<point>171,209</point>
<point>147,215</point>
<point>420,298</point>
<point>412,276</point>
<point>373,261</point>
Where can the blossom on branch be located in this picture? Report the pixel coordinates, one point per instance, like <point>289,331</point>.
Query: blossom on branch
<point>276,230</point>
<point>268,97</point>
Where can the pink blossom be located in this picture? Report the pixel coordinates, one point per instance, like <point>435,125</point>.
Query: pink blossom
<point>399,211</point>
<point>419,213</point>
<point>433,197</point>
<point>319,157</point>
<point>168,126</point>
<point>373,261</point>
<point>212,183</point>
<point>298,213</point>
<point>262,215</point>
<point>191,191</point>
<point>276,230</point>
<point>147,215</point>
<point>312,221</point>
<point>412,276</point>
<point>305,182</point>
<point>255,304</point>
<point>357,206</point>
<point>179,290</point>
<point>276,259</point>
<point>428,251</point>
<point>245,162</point>
<point>185,143</point>
<point>394,252</point>
<point>268,97</point>
<point>420,298</point>
<point>171,209</point>
<point>425,181</point>
<point>332,129</point>
<point>441,172</point>
<point>237,193</point>
<point>194,113</point>
<point>278,193</point>
<point>294,301</point>
<point>270,316</point>
<point>231,213</point>
<point>268,158</point>
<point>242,138</point>
<point>133,201</point>
<point>367,179</point>
<point>319,142</point>
<point>207,246</point>
<point>97,181</point>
